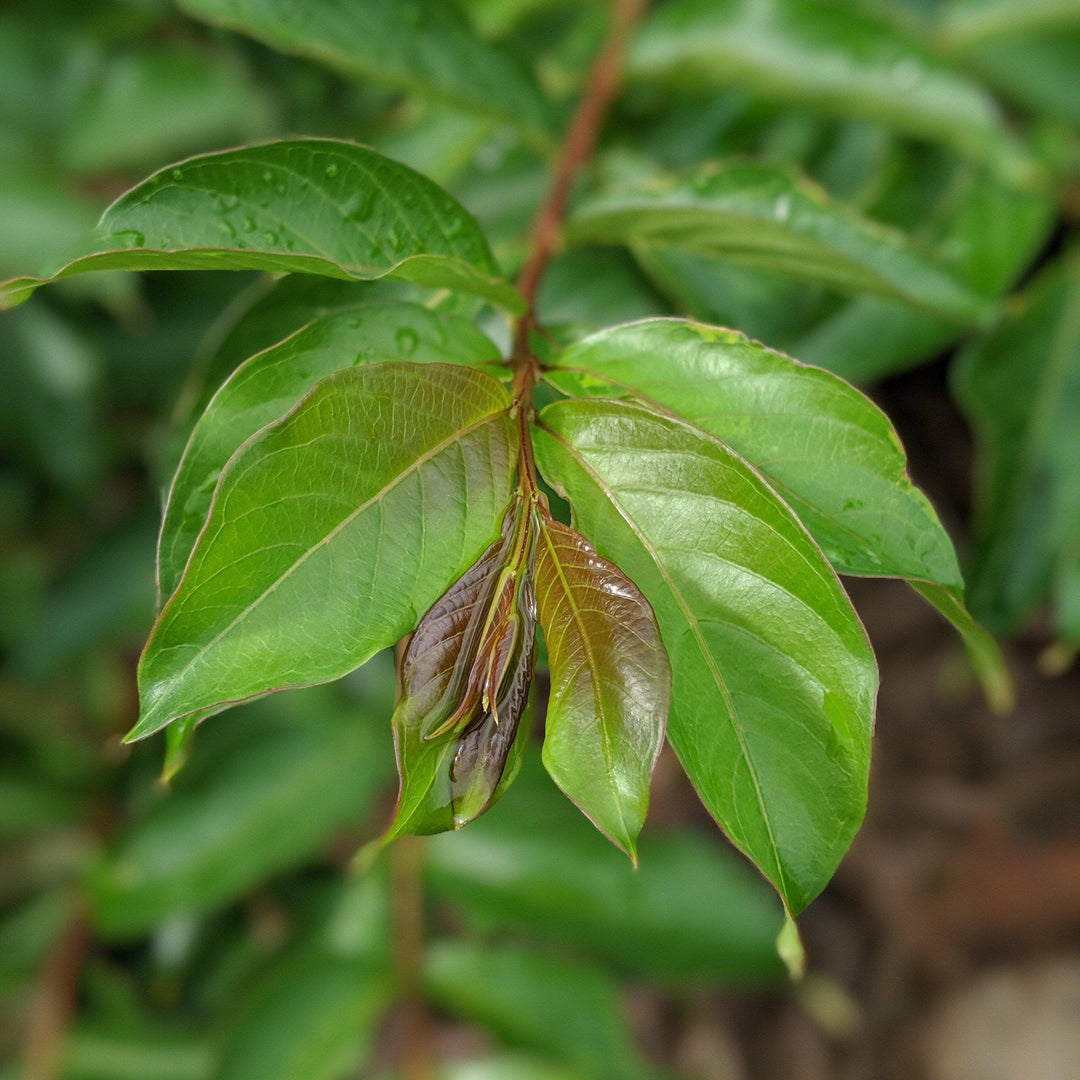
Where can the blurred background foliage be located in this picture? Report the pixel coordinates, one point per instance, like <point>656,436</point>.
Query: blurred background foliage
<point>213,929</point>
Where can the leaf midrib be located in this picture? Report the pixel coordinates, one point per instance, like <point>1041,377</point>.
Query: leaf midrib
<point>718,678</point>
<point>457,436</point>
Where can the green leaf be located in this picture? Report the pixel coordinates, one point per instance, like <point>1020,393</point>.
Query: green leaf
<point>828,451</point>
<point>271,382</point>
<point>422,47</point>
<point>825,447</point>
<point>568,1009</point>
<point>225,825</point>
<point>839,57</point>
<point>317,206</point>
<point>988,233</point>
<point>691,912</point>
<point>773,679</point>
<point>465,680</point>
<point>610,683</point>
<point>767,218</point>
<point>1020,388</point>
<point>330,533</point>
<point>315,1017</point>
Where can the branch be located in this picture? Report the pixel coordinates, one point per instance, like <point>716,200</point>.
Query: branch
<point>577,146</point>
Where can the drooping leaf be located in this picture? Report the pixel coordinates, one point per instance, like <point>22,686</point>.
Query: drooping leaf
<point>773,680</point>
<point>839,57</point>
<point>465,679</point>
<point>264,792</point>
<point>610,683</point>
<point>330,533</point>
<point>764,217</point>
<point>1020,388</point>
<point>271,382</point>
<point>317,206</point>
<point>568,1009</point>
<point>825,448</point>
<point>419,46</point>
<point>691,911</point>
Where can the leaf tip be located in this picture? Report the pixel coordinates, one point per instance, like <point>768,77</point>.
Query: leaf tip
<point>789,946</point>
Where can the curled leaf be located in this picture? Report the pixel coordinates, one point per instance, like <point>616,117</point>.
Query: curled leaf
<point>465,679</point>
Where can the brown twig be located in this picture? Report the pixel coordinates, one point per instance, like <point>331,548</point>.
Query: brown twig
<point>601,85</point>
<point>56,999</point>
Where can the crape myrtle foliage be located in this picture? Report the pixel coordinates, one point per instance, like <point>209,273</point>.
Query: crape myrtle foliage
<point>667,502</point>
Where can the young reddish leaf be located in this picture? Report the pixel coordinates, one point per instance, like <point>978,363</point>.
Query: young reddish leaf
<point>610,683</point>
<point>465,679</point>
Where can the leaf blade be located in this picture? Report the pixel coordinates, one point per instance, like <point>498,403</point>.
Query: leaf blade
<point>243,610</point>
<point>318,206</point>
<point>271,382</point>
<point>731,573</point>
<point>761,216</point>
<point>610,683</point>
<point>422,47</point>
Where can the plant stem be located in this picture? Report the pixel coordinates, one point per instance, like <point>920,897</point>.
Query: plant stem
<point>575,150</point>
<point>578,144</point>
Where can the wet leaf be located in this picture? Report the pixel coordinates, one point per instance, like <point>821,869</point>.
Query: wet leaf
<point>316,206</point>
<point>331,531</point>
<point>824,446</point>
<point>764,217</point>
<point>610,683</point>
<point>271,382</point>
<point>773,680</point>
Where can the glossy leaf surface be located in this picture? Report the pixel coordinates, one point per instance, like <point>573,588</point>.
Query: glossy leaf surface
<point>422,47</point>
<point>837,56</point>
<point>828,451</point>
<point>1020,388</point>
<point>765,217</point>
<point>330,533</point>
<point>773,680</point>
<point>271,382</point>
<point>610,683</point>
<point>465,679</point>
<point>316,206</point>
